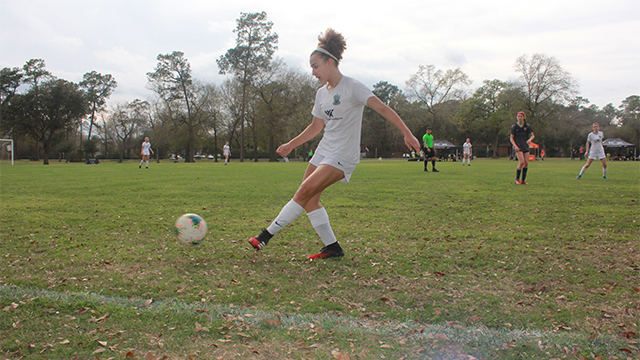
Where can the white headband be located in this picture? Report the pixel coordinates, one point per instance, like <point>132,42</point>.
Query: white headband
<point>321,50</point>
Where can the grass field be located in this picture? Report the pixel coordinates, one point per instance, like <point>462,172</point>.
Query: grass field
<point>460,264</point>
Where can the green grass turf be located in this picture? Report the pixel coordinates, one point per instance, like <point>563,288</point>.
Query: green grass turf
<point>438,265</point>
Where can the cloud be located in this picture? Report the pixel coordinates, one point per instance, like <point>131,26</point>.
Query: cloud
<point>593,42</point>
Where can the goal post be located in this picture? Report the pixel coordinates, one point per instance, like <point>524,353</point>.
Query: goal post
<point>8,148</point>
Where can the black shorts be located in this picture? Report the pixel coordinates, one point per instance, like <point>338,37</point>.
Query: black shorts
<point>428,153</point>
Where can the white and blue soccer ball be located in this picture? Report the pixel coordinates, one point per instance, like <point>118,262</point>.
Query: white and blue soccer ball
<point>190,229</point>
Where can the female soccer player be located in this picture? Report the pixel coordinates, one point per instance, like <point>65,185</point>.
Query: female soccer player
<point>521,137</point>
<point>595,151</point>
<point>338,109</point>
<point>146,148</point>
<point>226,151</point>
<point>467,151</point>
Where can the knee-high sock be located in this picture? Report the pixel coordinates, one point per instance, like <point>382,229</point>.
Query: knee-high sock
<point>141,162</point>
<point>524,173</point>
<point>604,171</point>
<point>518,174</point>
<point>288,213</point>
<point>320,221</point>
<point>147,163</point>
<point>583,169</point>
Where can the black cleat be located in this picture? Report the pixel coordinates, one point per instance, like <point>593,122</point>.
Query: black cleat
<point>333,250</point>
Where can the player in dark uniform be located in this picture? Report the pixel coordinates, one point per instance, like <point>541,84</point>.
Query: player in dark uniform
<point>521,137</point>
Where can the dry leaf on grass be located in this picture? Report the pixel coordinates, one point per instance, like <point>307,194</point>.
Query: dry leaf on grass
<point>100,319</point>
<point>200,328</point>
<point>275,322</point>
<point>339,355</point>
<point>13,306</point>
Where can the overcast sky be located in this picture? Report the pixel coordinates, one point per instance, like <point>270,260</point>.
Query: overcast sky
<point>597,41</point>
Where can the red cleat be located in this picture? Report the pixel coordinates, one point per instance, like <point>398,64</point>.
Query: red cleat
<point>524,183</point>
<point>257,244</point>
<point>518,182</point>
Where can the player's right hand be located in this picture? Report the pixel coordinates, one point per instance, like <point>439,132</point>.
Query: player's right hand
<point>284,150</point>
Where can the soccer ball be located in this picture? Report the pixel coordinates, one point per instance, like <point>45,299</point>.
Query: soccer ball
<point>190,229</point>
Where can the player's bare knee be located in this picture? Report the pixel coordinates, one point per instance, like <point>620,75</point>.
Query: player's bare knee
<point>304,194</point>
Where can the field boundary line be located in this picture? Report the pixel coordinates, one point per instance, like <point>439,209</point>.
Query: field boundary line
<point>449,331</point>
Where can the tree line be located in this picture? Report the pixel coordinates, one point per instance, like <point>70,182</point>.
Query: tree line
<point>265,103</point>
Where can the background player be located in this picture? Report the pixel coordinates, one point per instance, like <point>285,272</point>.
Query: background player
<point>595,151</point>
<point>146,149</point>
<point>226,150</point>
<point>467,152</point>
<point>521,137</point>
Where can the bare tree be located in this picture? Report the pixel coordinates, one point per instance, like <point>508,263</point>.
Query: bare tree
<point>433,87</point>
<point>544,85</point>
<point>126,121</point>
<point>284,96</point>
<point>213,112</point>
<point>183,98</point>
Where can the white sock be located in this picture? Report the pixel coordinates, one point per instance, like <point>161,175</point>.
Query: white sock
<point>147,163</point>
<point>141,162</point>
<point>320,221</point>
<point>583,169</point>
<point>288,213</point>
<point>604,172</point>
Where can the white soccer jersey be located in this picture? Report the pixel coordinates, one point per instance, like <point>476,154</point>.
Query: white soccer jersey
<point>341,109</point>
<point>145,148</point>
<point>226,150</point>
<point>467,148</point>
<point>596,151</point>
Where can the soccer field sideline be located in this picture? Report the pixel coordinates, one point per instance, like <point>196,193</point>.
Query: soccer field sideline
<point>481,336</point>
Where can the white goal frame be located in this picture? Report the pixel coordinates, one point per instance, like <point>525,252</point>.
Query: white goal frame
<point>11,145</point>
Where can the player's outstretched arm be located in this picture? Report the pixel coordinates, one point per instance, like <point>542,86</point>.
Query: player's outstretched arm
<point>388,113</point>
<point>307,134</point>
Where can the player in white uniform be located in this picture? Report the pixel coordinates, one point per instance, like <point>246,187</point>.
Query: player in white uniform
<point>146,149</point>
<point>226,151</point>
<point>467,152</point>
<point>338,109</point>
<point>595,151</point>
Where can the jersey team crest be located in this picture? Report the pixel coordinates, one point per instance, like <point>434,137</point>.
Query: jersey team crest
<point>336,99</point>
